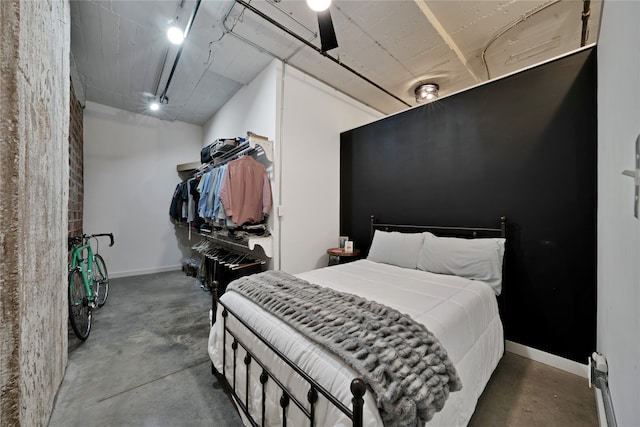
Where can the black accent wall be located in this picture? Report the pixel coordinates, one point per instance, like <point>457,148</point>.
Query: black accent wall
<point>524,147</point>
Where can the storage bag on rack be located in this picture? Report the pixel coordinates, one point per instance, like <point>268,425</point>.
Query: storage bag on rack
<point>222,146</point>
<point>205,154</point>
<point>218,148</point>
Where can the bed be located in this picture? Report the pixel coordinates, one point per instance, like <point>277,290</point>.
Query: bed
<point>278,376</point>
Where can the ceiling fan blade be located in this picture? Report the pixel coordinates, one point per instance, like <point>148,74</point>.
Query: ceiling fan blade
<point>328,39</point>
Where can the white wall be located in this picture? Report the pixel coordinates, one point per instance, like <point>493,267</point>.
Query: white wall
<point>312,117</point>
<point>618,319</point>
<point>129,177</point>
<point>304,118</point>
<point>252,108</point>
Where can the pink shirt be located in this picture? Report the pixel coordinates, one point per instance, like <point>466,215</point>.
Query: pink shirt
<point>245,192</point>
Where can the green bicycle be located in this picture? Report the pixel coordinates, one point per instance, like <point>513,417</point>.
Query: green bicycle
<point>88,282</point>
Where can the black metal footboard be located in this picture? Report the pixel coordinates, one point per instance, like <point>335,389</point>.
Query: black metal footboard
<point>358,387</point>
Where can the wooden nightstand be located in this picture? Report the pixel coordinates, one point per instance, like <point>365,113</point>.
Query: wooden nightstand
<point>338,255</point>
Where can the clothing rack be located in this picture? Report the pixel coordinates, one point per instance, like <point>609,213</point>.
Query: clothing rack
<point>240,245</point>
<point>221,264</point>
<point>244,148</point>
<point>254,144</point>
<point>226,256</point>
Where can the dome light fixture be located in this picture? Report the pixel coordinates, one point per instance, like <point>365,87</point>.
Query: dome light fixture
<point>319,5</point>
<point>175,35</point>
<point>154,106</point>
<point>426,92</point>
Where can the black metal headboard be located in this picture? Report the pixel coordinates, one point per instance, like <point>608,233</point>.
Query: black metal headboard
<point>470,232</point>
<point>449,231</point>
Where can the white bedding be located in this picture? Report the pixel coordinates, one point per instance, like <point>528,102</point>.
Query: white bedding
<point>462,313</point>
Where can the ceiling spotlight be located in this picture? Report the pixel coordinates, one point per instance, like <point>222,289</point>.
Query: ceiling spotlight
<point>175,35</point>
<point>154,106</point>
<point>426,92</point>
<point>319,5</point>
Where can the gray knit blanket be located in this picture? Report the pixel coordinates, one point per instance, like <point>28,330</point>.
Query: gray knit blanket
<point>400,360</point>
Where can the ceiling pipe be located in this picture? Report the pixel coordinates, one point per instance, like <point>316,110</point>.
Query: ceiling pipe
<point>187,29</point>
<point>274,3</point>
<point>507,28</point>
<point>317,49</point>
<point>586,13</point>
<point>228,30</point>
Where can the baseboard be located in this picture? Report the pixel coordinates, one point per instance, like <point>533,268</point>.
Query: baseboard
<point>602,418</point>
<point>548,359</point>
<point>144,271</point>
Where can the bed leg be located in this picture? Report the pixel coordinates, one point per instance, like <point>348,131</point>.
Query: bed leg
<point>358,389</point>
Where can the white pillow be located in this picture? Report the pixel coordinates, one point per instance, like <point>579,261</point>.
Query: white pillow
<point>477,259</point>
<point>395,248</point>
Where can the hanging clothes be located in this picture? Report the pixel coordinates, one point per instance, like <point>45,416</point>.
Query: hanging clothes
<point>175,209</point>
<point>178,211</point>
<point>184,195</point>
<point>218,210</point>
<point>245,191</point>
<point>194,198</point>
<point>205,188</point>
<point>213,194</point>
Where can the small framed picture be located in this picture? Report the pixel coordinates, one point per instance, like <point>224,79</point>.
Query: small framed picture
<point>348,246</point>
<point>341,241</point>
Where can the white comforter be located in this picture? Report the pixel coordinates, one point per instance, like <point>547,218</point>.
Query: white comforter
<point>462,313</point>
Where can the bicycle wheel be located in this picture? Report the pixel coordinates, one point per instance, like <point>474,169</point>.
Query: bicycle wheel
<point>100,280</point>
<point>79,309</point>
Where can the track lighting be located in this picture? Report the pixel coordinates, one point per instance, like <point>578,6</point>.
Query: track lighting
<point>175,35</point>
<point>156,104</point>
<point>426,92</point>
<point>319,5</point>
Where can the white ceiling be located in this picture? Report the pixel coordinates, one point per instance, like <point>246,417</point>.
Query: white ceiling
<point>118,47</point>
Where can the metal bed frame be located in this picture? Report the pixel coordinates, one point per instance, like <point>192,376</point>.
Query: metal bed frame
<point>358,387</point>
<point>472,232</point>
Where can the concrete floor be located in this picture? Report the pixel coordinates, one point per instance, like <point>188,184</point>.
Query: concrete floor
<point>146,364</point>
<point>522,392</point>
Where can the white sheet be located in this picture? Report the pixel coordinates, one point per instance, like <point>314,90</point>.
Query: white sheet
<point>462,313</point>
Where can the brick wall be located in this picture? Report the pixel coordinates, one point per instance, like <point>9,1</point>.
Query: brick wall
<point>76,166</point>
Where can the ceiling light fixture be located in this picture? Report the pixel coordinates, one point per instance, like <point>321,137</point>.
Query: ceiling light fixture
<point>163,96</point>
<point>319,5</point>
<point>175,35</point>
<point>154,106</point>
<point>426,92</point>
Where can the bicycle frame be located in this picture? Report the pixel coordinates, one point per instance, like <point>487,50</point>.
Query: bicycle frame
<point>92,292</point>
<point>85,266</point>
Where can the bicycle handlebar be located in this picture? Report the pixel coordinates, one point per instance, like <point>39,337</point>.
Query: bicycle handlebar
<point>73,240</point>
<point>110,235</point>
